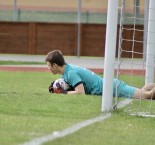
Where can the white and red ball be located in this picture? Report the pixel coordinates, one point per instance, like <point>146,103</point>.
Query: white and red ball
<point>62,83</point>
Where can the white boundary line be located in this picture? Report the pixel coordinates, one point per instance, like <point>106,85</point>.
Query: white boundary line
<point>142,115</point>
<point>70,130</point>
<point>74,128</point>
<point>124,103</point>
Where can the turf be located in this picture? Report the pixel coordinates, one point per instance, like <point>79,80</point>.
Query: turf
<point>20,63</point>
<point>27,111</point>
<point>120,129</point>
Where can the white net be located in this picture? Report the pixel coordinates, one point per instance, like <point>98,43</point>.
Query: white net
<point>139,46</point>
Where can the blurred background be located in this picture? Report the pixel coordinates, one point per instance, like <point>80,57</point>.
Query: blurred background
<point>76,27</point>
<point>92,11</point>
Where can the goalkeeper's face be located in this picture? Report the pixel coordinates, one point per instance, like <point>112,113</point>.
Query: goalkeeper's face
<point>53,68</point>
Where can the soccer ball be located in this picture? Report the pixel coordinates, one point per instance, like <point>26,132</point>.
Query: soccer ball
<point>62,83</point>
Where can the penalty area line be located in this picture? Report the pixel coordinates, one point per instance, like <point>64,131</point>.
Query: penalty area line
<point>68,131</point>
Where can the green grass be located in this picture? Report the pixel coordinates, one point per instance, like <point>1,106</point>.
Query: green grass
<point>133,80</point>
<point>27,111</point>
<point>118,130</point>
<point>20,63</point>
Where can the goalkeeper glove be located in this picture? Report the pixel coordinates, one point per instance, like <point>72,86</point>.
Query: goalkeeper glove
<point>57,90</point>
<point>51,89</point>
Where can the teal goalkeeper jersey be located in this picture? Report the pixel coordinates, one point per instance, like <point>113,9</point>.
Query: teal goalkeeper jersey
<point>93,84</point>
<point>75,75</point>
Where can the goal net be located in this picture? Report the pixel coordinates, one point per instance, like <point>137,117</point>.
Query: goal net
<point>135,63</point>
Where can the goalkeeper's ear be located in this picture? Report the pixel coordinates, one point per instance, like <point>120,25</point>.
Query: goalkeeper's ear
<point>50,89</point>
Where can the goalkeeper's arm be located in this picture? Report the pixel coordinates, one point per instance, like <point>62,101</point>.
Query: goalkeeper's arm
<point>77,90</point>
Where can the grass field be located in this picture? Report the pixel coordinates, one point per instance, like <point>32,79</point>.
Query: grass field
<point>21,63</point>
<point>27,111</point>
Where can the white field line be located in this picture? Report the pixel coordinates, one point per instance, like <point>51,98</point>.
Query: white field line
<point>124,103</point>
<point>72,129</point>
<point>142,114</point>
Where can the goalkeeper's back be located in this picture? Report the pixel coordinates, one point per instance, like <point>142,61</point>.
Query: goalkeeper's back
<point>75,75</point>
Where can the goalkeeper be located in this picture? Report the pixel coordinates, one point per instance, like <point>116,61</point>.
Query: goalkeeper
<point>85,81</point>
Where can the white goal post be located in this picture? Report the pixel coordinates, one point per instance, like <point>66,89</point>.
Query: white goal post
<point>148,65</point>
<point>149,77</point>
<point>110,49</point>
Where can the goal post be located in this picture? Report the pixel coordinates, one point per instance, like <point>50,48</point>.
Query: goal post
<point>110,49</point>
<point>149,77</point>
<point>137,66</point>
<point>135,70</point>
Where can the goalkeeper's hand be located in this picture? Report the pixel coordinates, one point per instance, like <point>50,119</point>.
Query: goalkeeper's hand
<point>51,89</point>
<point>59,89</point>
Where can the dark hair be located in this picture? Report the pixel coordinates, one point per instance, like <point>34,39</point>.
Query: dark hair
<point>55,56</point>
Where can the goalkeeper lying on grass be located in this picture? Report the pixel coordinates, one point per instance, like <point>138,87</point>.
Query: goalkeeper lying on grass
<point>84,81</point>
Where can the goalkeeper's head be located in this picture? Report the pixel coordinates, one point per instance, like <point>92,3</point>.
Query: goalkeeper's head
<point>55,61</point>
<point>55,56</point>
